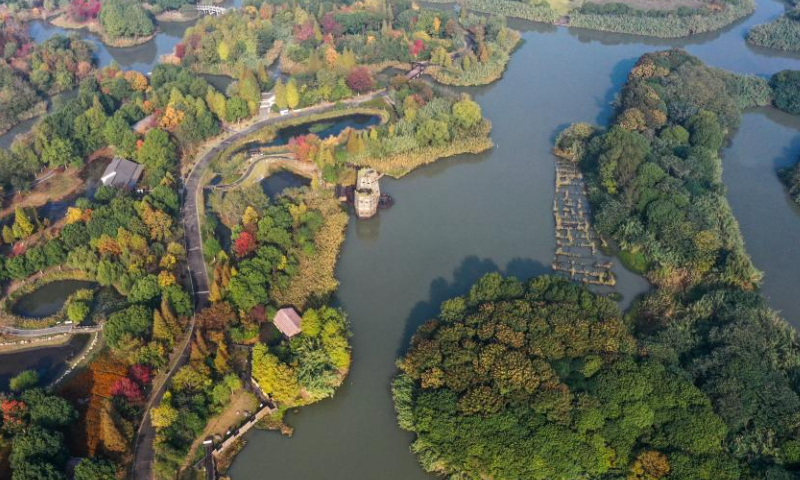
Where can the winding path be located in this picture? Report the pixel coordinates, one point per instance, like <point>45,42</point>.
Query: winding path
<point>144,453</point>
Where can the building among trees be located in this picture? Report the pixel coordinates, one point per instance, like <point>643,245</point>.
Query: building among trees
<point>122,173</point>
<point>287,320</point>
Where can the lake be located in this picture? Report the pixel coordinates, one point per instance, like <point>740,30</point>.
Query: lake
<point>465,216</point>
<point>462,217</point>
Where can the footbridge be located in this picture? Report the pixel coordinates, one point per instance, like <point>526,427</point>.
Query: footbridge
<point>212,10</point>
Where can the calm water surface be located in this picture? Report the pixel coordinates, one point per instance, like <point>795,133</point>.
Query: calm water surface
<point>462,217</point>
<point>48,299</point>
<point>48,361</point>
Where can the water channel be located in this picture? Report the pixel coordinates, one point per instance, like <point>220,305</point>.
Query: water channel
<point>462,217</point>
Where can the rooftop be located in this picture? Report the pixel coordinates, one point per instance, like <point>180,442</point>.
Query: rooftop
<point>287,321</point>
<point>122,173</point>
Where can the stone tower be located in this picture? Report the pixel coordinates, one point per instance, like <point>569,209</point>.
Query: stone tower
<point>368,193</point>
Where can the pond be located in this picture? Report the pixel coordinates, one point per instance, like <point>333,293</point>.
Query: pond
<point>49,362</point>
<point>325,128</point>
<point>48,299</point>
<point>280,181</point>
<point>462,217</point>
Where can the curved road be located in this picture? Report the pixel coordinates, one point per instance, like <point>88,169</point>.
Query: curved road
<point>144,454</point>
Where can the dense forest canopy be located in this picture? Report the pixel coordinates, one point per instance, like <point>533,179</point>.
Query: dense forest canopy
<point>543,381</point>
<point>655,175</point>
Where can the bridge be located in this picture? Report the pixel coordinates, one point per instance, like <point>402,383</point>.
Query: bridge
<point>211,10</point>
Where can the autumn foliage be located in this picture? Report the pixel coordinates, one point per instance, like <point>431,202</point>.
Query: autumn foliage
<point>244,245</point>
<point>89,391</point>
<point>83,10</point>
<point>360,80</point>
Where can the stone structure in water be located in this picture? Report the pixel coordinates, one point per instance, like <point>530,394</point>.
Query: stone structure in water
<point>368,193</point>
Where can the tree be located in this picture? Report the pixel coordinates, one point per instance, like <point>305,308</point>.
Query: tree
<point>24,380</point>
<point>433,132</point>
<point>292,95</point>
<point>164,415</point>
<point>61,152</point>
<point>131,322</point>
<point>95,469</point>
<point>280,95</point>
<point>125,18</point>
<point>248,89</point>
<point>275,378</point>
<point>360,80</point>
<point>786,90</point>
<point>23,227</point>
<point>467,113</point>
<point>77,311</point>
<point>158,154</point>
<point>236,109</point>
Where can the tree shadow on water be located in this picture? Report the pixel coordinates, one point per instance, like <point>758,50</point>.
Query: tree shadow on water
<point>465,275</point>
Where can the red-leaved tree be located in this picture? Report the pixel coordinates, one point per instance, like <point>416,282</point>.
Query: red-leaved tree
<point>141,374</point>
<point>180,51</point>
<point>305,31</point>
<point>416,48</point>
<point>127,389</point>
<point>360,80</point>
<point>330,25</point>
<point>244,245</point>
<point>83,10</point>
<point>304,146</point>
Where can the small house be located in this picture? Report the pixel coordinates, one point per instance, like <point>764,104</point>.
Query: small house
<point>122,173</point>
<point>288,322</point>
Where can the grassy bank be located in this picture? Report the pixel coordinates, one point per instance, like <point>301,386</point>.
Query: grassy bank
<point>8,318</point>
<point>620,18</point>
<point>480,73</point>
<point>782,33</point>
<point>399,164</point>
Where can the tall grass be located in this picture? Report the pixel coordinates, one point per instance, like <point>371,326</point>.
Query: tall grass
<point>659,23</point>
<point>399,164</point>
<point>782,34</point>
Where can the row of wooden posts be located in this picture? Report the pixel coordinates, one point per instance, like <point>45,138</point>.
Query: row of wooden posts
<point>578,253</point>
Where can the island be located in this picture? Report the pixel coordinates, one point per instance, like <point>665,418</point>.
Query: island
<point>672,390</point>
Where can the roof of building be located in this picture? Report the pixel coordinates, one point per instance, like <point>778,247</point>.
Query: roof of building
<point>288,321</point>
<point>122,173</point>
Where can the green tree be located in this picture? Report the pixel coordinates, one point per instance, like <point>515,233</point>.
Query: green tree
<point>23,227</point>
<point>77,311</point>
<point>280,95</point>
<point>275,378</point>
<point>61,152</point>
<point>292,95</point>
<point>24,380</point>
<point>467,113</point>
<point>95,469</point>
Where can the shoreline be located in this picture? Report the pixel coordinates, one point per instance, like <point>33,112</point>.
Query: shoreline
<point>94,27</point>
<point>668,26</point>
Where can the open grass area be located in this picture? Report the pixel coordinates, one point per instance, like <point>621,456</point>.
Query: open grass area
<point>240,402</point>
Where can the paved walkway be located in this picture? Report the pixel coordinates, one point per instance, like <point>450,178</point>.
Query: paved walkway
<point>43,332</point>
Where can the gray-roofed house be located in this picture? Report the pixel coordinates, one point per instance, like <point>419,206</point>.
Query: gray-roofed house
<point>122,173</point>
<point>288,322</point>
